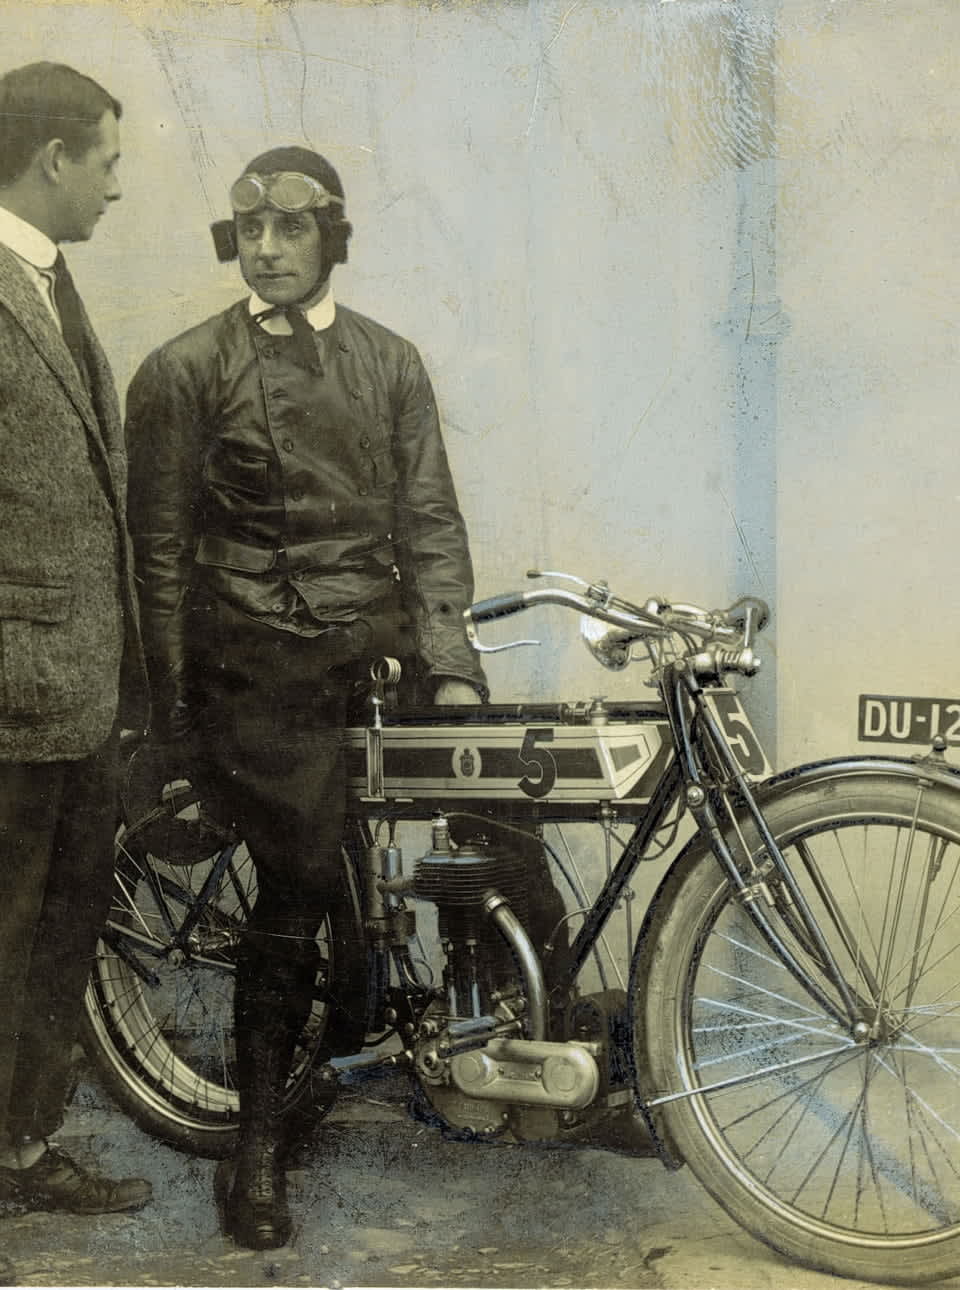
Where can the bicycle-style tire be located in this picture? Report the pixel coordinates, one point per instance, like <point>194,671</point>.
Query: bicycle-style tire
<point>840,1151</point>
<point>158,1020</point>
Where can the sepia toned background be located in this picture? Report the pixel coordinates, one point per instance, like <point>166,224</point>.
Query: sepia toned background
<point>683,271</point>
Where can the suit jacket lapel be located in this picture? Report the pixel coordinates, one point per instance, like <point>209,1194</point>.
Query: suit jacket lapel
<point>20,296</point>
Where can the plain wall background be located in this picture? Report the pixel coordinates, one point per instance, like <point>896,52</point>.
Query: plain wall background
<point>683,272</point>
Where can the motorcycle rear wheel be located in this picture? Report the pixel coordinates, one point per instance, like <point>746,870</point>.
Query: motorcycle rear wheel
<point>158,1018</point>
<point>838,1146</point>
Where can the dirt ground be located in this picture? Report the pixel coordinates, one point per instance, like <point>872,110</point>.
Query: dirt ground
<point>380,1199</point>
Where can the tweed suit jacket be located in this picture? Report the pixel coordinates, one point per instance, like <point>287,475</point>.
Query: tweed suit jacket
<point>67,604</point>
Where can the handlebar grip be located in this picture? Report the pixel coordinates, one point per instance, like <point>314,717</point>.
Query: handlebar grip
<point>484,611</point>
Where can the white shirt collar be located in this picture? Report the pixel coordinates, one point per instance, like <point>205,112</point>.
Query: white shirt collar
<point>26,240</point>
<point>320,316</point>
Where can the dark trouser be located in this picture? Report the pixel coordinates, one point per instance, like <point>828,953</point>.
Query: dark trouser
<point>272,758</point>
<point>57,826</point>
<point>275,708</point>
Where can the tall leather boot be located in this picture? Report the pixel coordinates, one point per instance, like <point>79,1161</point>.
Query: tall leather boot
<point>269,1016</point>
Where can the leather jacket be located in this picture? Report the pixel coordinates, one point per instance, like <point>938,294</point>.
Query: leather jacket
<point>299,499</point>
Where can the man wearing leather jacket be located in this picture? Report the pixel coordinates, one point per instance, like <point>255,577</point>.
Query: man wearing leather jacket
<point>294,518</point>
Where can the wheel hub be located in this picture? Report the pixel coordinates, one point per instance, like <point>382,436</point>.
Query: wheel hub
<point>878,1026</point>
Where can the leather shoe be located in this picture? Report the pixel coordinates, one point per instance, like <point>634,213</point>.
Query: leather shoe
<point>57,1182</point>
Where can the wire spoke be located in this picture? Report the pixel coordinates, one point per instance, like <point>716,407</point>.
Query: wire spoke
<point>858,1130</point>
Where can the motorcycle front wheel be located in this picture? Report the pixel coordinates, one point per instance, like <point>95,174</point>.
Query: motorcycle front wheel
<point>837,1142</point>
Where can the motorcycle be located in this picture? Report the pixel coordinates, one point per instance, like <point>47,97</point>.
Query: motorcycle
<point>788,1026</point>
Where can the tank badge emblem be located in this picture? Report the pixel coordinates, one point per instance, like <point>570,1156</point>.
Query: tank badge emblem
<point>466,762</point>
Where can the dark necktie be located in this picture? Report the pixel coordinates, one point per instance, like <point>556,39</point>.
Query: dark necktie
<point>68,307</point>
<point>67,300</point>
<point>304,336</point>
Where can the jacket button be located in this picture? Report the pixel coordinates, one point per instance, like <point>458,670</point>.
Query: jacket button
<point>364,491</point>
<point>365,441</point>
<point>356,394</point>
<point>269,351</point>
<point>288,445</point>
<point>297,495</point>
<point>344,349</point>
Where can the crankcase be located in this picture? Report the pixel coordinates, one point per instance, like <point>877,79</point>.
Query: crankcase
<point>529,1072</point>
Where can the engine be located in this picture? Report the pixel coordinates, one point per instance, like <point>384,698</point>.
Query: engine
<point>479,964</point>
<point>482,1048</point>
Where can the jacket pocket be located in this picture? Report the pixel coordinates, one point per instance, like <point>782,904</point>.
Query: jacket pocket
<point>236,475</point>
<point>30,618</point>
<point>224,553</point>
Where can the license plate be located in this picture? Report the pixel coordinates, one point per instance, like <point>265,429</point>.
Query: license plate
<point>738,732</point>
<point>905,719</point>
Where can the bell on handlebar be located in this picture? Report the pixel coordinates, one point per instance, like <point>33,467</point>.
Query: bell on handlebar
<point>609,645</point>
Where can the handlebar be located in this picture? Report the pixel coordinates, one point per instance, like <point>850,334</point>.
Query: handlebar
<point>727,634</point>
<point>655,616</point>
<point>607,609</point>
<point>485,611</point>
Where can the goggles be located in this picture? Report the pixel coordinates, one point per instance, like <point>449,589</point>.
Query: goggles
<point>287,190</point>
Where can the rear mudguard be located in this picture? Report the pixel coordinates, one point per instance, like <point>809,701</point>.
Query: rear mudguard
<point>931,767</point>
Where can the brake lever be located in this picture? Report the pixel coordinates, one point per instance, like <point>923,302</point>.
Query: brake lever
<point>749,614</point>
<point>475,642</point>
<point>598,593</point>
<point>553,573</point>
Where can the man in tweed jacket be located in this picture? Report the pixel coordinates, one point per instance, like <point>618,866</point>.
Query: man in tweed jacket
<point>67,620</point>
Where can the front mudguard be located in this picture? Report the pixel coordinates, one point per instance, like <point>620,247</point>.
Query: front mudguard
<point>930,768</point>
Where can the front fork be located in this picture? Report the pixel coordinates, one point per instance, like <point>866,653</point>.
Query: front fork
<point>752,885</point>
